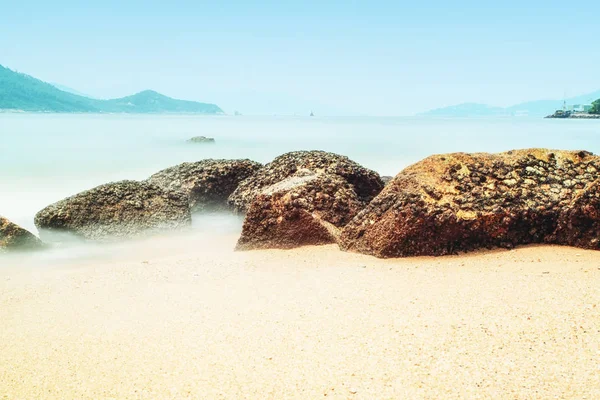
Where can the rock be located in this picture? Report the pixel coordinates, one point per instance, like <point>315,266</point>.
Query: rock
<point>560,114</point>
<point>582,115</point>
<point>201,139</point>
<point>573,114</point>
<point>386,179</point>
<point>208,183</point>
<point>13,237</point>
<point>298,211</point>
<point>366,183</point>
<point>117,210</point>
<point>579,221</point>
<point>460,202</point>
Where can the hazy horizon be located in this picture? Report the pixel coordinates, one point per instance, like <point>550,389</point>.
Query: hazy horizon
<point>378,59</point>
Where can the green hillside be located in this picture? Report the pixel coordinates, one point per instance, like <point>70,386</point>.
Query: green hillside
<point>150,101</point>
<point>25,93</point>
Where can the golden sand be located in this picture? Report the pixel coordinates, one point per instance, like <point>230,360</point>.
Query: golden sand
<point>169,321</point>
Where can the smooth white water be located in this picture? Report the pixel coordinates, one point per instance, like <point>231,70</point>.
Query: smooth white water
<point>46,157</point>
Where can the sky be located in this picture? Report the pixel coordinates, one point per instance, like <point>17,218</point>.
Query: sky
<point>291,57</point>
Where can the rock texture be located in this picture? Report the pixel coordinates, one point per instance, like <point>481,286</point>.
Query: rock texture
<point>117,210</point>
<point>298,211</point>
<point>575,115</point>
<point>386,179</point>
<point>208,183</point>
<point>13,237</point>
<point>459,202</point>
<point>366,183</point>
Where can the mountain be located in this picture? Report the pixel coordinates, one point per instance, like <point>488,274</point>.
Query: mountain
<point>69,90</point>
<point>24,93</point>
<point>547,107</point>
<point>465,110</point>
<point>538,108</point>
<point>150,101</point>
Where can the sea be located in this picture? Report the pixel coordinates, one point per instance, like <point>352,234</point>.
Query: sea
<point>47,157</point>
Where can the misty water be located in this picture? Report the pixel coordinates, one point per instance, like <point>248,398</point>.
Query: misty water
<point>47,157</point>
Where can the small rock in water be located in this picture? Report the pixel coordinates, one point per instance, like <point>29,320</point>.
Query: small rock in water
<point>201,139</point>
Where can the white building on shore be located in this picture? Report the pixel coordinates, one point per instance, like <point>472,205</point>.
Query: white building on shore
<point>580,107</point>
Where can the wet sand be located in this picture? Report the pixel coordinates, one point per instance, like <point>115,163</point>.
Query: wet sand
<point>173,320</point>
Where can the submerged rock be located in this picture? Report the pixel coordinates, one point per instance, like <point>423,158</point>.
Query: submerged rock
<point>117,210</point>
<point>365,183</point>
<point>13,237</point>
<point>459,202</point>
<point>201,139</point>
<point>298,211</point>
<point>208,183</point>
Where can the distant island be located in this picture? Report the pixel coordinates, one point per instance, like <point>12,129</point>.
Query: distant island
<point>585,112</point>
<point>538,108</point>
<point>21,92</point>
<point>465,110</point>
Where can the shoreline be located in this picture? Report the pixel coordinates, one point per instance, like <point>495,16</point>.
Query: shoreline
<point>574,116</point>
<point>166,319</point>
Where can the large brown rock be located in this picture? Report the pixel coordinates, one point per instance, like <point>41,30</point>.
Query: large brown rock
<point>366,183</point>
<point>13,237</point>
<point>298,211</point>
<point>117,210</point>
<point>208,183</point>
<point>459,202</point>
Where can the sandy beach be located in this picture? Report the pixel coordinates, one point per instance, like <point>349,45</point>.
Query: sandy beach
<point>299,200</point>
<point>173,321</point>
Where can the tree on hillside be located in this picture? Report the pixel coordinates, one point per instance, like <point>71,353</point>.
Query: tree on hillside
<point>595,107</point>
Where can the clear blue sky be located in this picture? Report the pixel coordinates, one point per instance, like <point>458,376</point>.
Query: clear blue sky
<point>337,57</point>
